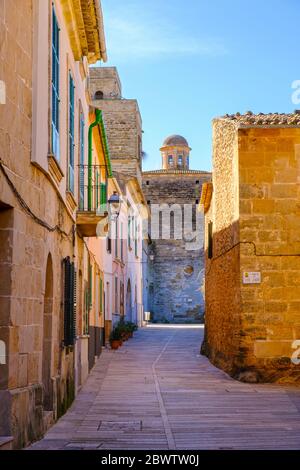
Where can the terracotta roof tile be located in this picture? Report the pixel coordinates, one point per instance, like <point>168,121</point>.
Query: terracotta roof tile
<point>261,119</point>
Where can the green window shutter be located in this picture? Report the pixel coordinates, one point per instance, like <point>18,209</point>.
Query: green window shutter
<point>55,87</point>
<point>71,133</point>
<point>81,169</point>
<point>103,195</point>
<point>69,302</point>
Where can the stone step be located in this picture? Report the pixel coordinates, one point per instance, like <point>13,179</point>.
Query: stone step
<point>6,442</point>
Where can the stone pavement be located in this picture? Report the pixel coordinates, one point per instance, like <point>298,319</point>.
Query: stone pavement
<point>156,392</point>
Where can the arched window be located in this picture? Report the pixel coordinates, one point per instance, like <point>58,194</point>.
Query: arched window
<point>170,160</point>
<point>180,160</point>
<point>99,95</point>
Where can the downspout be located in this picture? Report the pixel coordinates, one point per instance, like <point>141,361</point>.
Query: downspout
<point>106,147</point>
<point>90,156</point>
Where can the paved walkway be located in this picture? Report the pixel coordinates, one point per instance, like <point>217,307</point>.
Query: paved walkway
<point>156,392</point>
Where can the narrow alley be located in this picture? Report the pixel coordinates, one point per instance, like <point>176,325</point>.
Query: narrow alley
<point>157,392</point>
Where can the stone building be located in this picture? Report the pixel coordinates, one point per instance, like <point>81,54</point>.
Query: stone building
<point>177,257</point>
<point>45,52</point>
<point>252,244</point>
<point>124,282</point>
<point>122,118</point>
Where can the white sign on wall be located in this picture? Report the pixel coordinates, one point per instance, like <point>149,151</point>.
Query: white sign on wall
<point>251,277</point>
<point>2,92</point>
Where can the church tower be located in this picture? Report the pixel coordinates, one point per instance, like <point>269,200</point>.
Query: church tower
<point>176,269</point>
<point>175,153</point>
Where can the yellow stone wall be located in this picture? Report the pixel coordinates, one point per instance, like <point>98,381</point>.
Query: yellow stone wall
<point>251,327</point>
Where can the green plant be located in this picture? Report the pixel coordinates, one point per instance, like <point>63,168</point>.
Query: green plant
<point>131,327</point>
<point>116,334</point>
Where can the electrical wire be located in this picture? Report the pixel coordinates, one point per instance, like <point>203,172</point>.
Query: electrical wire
<point>27,209</point>
<point>255,253</point>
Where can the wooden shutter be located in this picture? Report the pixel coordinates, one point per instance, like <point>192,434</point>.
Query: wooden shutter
<point>55,86</point>
<point>69,302</point>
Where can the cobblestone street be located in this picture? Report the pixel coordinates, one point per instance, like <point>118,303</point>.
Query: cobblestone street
<point>157,392</point>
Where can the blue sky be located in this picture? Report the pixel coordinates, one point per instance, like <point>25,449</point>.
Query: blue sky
<point>187,61</point>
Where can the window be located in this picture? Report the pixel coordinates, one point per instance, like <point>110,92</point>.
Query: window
<point>55,88</point>
<point>69,302</point>
<point>129,231</point>
<point>197,181</point>
<point>116,239</point>
<point>147,182</point>
<point>81,161</point>
<point>197,201</point>
<point>187,161</point>
<point>116,294</point>
<point>210,241</point>
<point>100,297</point>
<point>170,160</point>
<point>136,231</point>
<point>71,134</point>
<point>108,244</point>
<point>121,298</point>
<point>99,95</point>
<point>90,274</point>
<point>121,241</point>
<point>180,160</point>
<point>148,202</point>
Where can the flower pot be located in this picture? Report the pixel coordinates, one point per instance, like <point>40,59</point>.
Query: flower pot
<point>115,344</point>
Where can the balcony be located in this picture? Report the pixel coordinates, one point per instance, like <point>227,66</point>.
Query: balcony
<point>92,203</point>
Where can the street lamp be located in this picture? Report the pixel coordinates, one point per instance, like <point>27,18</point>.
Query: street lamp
<point>114,205</point>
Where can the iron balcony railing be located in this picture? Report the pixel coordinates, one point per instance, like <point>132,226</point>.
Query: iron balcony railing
<point>92,188</point>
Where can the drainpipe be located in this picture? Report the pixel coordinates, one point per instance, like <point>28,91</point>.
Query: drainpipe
<point>90,156</point>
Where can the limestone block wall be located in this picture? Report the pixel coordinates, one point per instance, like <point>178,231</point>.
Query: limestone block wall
<point>222,281</point>
<point>251,328</point>
<point>122,120</point>
<point>175,274</point>
<point>269,175</point>
<point>26,321</point>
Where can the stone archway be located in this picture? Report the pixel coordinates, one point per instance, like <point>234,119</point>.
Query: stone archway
<point>47,335</point>
<point>129,301</point>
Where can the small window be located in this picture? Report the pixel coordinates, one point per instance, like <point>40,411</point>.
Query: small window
<point>148,202</point>
<point>108,244</point>
<point>197,181</point>
<point>170,160</point>
<point>197,201</point>
<point>99,95</point>
<point>147,183</point>
<point>180,160</point>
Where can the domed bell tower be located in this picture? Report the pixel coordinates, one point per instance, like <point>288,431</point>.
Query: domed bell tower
<point>175,153</point>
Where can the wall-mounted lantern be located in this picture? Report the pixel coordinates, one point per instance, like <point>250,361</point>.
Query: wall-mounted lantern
<point>114,205</point>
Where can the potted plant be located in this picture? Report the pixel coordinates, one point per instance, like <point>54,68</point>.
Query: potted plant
<point>115,338</point>
<point>131,327</point>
